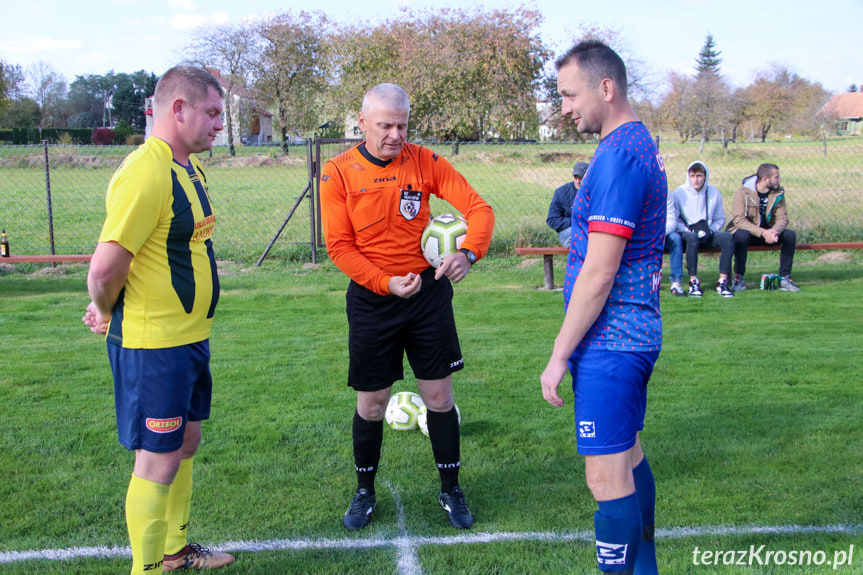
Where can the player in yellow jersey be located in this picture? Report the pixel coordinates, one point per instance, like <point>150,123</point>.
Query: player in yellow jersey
<point>154,290</point>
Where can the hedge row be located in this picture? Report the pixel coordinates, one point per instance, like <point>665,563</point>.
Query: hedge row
<point>26,136</point>
<point>81,136</point>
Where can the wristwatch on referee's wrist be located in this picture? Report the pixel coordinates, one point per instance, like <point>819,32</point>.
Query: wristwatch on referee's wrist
<point>471,257</point>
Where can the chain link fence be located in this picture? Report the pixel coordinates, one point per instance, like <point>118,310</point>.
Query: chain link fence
<point>52,197</point>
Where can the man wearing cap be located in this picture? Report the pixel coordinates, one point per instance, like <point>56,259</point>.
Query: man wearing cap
<point>560,211</point>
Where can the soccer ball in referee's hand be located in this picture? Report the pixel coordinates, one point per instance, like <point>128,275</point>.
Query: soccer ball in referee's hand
<point>403,410</point>
<point>443,236</point>
<point>422,419</point>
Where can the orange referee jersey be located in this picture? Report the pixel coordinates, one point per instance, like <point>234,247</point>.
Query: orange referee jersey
<point>374,215</point>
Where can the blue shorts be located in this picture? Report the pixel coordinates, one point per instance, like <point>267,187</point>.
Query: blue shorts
<point>610,398</point>
<point>156,391</point>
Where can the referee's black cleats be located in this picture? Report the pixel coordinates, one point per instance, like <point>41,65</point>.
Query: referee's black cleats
<point>453,503</point>
<point>359,513</point>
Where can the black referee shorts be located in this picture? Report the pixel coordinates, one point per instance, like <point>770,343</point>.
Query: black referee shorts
<point>383,328</point>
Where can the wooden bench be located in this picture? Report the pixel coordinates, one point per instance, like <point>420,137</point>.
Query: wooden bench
<point>46,259</point>
<point>549,253</point>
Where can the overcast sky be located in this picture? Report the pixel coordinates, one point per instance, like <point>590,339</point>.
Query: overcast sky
<point>817,40</point>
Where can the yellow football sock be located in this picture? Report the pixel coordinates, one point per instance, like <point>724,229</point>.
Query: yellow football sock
<point>179,502</point>
<point>146,503</point>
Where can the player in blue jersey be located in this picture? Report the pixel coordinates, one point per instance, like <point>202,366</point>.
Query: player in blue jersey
<point>612,330</point>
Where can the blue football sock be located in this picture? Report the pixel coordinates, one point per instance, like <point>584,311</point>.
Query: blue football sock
<point>618,533</point>
<point>645,488</point>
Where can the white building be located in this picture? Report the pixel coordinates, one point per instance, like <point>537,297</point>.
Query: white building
<point>260,129</point>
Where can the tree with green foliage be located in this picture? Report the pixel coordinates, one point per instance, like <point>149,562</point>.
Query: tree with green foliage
<point>710,92</point>
<point>21,113</point>
<point>87,96</point>
<point>122,132</point>
<point>3,86</point>
<point>290,70</point>
<point>13,85</point>
<point>471,73</point>
<point>129,95</point>
<point>708,58</point>
<point>701,104</point>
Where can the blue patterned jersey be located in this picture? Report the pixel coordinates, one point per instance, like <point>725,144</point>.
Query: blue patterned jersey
<point>623,193</point>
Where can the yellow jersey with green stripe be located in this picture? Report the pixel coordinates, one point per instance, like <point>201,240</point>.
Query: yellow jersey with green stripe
<point>160,211</point>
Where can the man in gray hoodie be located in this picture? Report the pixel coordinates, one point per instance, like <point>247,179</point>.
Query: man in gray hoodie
<point>695,213</point>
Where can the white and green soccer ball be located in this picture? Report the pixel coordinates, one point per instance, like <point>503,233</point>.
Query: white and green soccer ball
<point>443,236</point>
<point>422,419</point>
<point>403,410</point>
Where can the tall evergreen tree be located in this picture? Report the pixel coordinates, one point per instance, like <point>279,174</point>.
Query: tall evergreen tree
<point>708,58</point>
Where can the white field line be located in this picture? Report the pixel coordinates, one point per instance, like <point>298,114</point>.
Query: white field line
<point>411,543</point>
<point>408,561</point>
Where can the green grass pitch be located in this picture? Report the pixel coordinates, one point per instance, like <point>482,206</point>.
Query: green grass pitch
<point>753,431</point>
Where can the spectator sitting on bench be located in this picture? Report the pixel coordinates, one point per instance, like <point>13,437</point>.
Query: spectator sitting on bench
<point>695,218</point>
<point>759,217</point>
<point>560,211</point>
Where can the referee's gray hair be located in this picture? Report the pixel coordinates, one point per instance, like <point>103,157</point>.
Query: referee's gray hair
<point>391,95</point>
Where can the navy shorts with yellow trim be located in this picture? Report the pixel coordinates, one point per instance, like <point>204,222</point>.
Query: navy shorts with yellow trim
<point>383,328</point>
<point>157,391</point>
<point>610,397</point>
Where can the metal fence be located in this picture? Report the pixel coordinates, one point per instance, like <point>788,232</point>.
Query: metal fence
<point>52,196</point>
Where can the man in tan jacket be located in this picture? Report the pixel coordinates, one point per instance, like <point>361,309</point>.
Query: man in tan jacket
<point>759,217</point>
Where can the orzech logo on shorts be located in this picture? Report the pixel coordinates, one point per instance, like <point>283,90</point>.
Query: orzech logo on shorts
<point>164,425</point>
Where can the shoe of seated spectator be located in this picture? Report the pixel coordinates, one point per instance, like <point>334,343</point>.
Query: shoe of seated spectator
<point>787,284</point>
<point>739,284</point>
<point>676,290</point>
<point>694,288</point>
<point>722,289</point>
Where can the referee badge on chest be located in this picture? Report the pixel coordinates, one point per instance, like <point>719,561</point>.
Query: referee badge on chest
<point>409,204</point>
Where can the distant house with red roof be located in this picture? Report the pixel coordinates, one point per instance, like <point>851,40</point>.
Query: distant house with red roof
<point>847,111</point>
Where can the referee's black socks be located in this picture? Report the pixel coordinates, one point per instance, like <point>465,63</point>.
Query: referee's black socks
<point>368,436</point>
<point>445,438</point>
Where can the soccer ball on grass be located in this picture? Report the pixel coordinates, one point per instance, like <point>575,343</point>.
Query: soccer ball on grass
<point>422,419</point>
<point>442,237</point>
<point>403,410</point>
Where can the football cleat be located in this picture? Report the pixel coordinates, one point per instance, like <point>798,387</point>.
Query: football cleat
<point>453,503</point>
<point>359,513</point>
<point>196,557</point>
